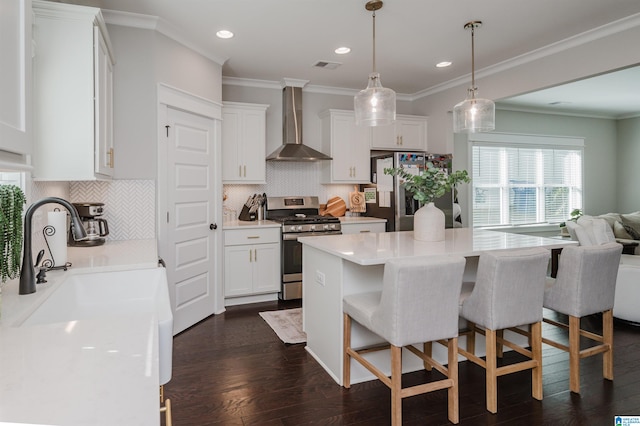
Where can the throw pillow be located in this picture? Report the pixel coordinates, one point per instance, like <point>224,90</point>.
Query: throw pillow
<point>632,220</point>
<point>611,218</point>
<point>632,232</point>
<point>620,232</point>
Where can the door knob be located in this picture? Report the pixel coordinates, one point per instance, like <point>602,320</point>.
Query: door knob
<point>213,226</point>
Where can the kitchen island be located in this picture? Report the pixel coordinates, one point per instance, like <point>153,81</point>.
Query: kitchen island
<point>335,266</point>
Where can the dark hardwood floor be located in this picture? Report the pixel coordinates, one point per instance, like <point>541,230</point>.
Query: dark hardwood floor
<point>231,369</point>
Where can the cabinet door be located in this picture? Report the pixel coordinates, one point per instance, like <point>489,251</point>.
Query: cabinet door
<point>15,76</point>
<point>231,165</point>
<point>349,149</point>
<point>266,266</point>
<point>238,270</point>
<point>384,137</point>
<point>254,146</point>
<point>361,228</point>
<point>103,106</point>
<point>412,134</point>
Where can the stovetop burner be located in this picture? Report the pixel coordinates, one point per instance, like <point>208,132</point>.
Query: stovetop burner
<point>301,219</point>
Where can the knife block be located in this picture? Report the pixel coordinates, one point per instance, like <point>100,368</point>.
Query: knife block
<point>247,215</point>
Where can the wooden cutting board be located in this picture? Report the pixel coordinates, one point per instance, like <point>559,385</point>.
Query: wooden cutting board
<point>356,201</point>
<point>336,207</point>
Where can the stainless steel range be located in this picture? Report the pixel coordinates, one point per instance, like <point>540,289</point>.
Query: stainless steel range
<point>300,218</point>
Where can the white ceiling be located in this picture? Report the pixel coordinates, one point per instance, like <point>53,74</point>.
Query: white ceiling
<point>278,39</point>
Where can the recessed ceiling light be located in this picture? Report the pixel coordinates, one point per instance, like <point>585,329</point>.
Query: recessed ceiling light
<point>224,34</point>
<point>342,50</point>
<point>443,64</point>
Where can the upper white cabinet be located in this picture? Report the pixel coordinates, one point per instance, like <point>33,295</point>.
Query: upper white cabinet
<point>409,132</point>
<point>244,143</point>
<point>348,145</point>
<point>73,75</point>
<point>15,76</point>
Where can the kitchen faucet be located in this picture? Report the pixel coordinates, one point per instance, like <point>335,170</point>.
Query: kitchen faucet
<point>27,277</point>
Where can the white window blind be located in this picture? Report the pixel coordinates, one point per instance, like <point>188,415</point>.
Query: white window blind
<point>524,180</point>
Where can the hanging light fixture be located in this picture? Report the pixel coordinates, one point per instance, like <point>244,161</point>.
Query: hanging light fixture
<point>474,114</point>
<point>375,105</point>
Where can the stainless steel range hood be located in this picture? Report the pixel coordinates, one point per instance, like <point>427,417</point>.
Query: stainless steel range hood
<point>293,149</point>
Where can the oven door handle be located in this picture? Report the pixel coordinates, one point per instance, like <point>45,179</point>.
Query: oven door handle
<point>294,236</point>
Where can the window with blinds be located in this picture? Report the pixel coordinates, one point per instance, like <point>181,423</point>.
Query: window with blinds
<point>526,181</point>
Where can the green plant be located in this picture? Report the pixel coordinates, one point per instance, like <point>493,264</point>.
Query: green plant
<point>575,215</point>
<point>11,203</point>
<point>430,184</point>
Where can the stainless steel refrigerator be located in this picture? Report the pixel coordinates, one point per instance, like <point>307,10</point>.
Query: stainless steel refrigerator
<point>386,198</point>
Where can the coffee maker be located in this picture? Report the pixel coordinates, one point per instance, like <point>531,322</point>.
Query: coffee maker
<point>95,226</point>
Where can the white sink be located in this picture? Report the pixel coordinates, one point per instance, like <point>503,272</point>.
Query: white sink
<point>104,295</point>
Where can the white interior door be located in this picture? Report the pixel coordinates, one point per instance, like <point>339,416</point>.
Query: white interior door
<point>190,234</point>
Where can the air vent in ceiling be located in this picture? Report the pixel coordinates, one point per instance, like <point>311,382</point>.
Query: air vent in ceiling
<point>327,65</point>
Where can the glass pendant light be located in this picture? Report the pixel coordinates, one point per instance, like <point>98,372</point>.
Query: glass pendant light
<point>474,114</point>
<point>375,105</point>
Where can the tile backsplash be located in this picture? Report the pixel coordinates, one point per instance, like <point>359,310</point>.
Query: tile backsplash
<point>130,205</point>
<point>287,178</point>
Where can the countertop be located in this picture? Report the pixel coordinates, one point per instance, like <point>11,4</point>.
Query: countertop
<point>87,372</point>
<point>377,248</point>
<point>240,224</point>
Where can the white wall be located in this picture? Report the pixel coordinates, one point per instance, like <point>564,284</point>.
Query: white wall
<point>145,58</point>
<point>134,98</point>
<point>628,159</point>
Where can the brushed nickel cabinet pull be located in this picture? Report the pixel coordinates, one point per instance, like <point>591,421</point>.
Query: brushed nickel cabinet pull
<point>245,171</point>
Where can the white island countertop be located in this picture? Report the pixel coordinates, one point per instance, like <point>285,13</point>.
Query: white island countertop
<point>376,249</point>
<point>86,372</point>
<point>334,266</point>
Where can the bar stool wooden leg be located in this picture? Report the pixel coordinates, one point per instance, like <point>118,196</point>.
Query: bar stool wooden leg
<point>499,347</point>
<point>607,339</point>
<point>574,354</point>
<point>452,392</point>
<point>427,349</point>
<point>346,344</point>
<point>471,338</point>
<point>491,373</point>
<point>536,354</point>
<point>396,386</point>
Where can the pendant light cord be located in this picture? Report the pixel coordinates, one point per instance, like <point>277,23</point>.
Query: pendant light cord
<point>374,41</point>
<point>473,62</point>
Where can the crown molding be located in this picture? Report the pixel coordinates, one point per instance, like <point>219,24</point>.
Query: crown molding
<point>594,34</point>
<point>534,110</point>
<point>310,88</point>
<point>155,23</point>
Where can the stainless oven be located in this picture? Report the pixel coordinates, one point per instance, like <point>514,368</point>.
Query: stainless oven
<point>299,217</point>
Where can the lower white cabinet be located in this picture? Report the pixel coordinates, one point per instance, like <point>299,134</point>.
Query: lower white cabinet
<point>362,227</point>
<point>251,261</point>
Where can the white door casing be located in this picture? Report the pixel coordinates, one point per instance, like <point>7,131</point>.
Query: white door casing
<point>189,204</point>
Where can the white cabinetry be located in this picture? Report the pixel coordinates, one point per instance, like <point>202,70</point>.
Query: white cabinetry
<point>244,143</point>
<point>15,76</point>
<point>251,261</point>
<point>408,133</point>
<point>362,227</point>
<point>73,74</point>
<point>348,145</point>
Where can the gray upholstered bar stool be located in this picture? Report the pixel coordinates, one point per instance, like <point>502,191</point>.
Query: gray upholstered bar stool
<point>585,285</point>
<point>418,303</point>
<point>508,293</point>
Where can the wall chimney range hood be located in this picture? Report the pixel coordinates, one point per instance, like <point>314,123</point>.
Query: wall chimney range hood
<point>293,149</point>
